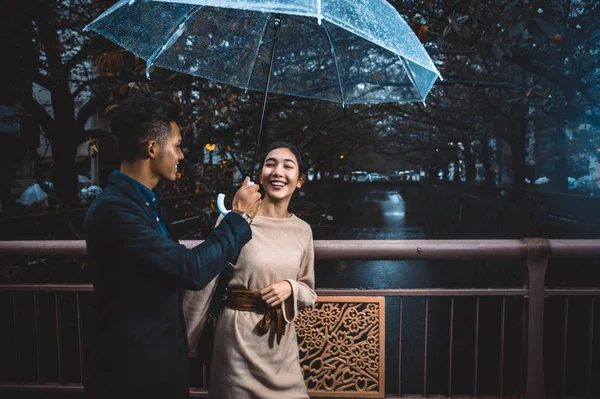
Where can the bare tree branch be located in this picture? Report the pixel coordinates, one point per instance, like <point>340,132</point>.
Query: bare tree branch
<point>87,110</point>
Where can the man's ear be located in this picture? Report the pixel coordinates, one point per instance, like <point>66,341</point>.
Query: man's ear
<point>151,149</point>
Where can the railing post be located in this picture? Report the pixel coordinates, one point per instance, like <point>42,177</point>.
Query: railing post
<point>537,262</point>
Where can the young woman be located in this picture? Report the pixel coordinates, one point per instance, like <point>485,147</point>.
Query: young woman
<point>256,350</point>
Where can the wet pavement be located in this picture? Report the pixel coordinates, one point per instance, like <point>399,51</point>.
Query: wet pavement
<point>380,214</point>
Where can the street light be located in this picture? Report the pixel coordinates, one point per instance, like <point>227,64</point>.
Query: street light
<point>210,147</point>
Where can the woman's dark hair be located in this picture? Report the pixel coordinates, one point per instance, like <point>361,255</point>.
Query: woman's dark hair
<point>283,144</point>
<point>139,119</point>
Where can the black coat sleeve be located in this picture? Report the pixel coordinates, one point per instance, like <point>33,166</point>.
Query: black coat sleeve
<point>122,225</point>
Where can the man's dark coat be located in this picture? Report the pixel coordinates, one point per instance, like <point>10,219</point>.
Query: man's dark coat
<point>139,344</point>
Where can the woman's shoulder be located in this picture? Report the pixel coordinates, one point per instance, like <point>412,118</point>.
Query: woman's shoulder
<point>301,225</point>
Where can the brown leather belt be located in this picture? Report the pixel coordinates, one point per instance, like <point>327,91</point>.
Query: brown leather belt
<point>248,300</point>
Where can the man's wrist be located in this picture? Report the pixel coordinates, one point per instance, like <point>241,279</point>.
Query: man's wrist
<point>242,214</point>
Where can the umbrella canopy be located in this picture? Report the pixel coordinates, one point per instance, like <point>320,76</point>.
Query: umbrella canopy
<point>89,192</point>
<point>346,51</point>
<point>32,195</point>
<point>83,179</point>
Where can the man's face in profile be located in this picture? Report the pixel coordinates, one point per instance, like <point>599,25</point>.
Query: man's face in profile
<point>168,155</point>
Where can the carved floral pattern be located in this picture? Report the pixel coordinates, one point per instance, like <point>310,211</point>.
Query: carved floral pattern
<point>340,347</point>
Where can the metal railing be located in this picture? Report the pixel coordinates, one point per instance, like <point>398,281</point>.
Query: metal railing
<point>534,251</point>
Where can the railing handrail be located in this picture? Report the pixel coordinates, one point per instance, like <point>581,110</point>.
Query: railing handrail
<point>385,292</point>
<point>364,249</point>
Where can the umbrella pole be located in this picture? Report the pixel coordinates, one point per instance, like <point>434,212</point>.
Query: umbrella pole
<point>264,106</point>
<point>220,196</point>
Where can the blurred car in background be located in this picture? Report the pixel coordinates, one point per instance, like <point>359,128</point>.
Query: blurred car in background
<point>359,176</point>
<point>405,175</point>
<point>376,177</point>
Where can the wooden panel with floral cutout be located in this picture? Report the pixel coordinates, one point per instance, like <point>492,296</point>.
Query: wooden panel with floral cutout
<point>341,343</point>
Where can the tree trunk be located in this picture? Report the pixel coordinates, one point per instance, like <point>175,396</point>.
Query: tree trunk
<point>499,159</point>
<point>537,151</point>
<point>469,161</point>
<point>488,173</point>
<point>456,169</point>
<point>64,171</point>
<point>517,144</point>
<point>437,167</point>
<point>65,137</point>
<point>517,149</point>
<point>561,183</point>
<point>445,173</point>
<point>430,170</point>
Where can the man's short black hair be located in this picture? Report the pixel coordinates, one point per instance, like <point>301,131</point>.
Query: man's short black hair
<point>141,118</point>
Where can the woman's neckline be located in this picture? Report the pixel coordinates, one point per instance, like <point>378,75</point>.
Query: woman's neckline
<point>290,215</point>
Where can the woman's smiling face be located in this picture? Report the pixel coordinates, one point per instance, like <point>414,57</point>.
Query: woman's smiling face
<point>280,174</point>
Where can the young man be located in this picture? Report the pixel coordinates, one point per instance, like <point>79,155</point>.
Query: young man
<point>139,270</point>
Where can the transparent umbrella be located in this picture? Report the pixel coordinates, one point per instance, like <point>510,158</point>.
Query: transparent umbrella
<point>89,192</point>
<point>83,179</point>
<point>346,51</point>
<point>32,195</point>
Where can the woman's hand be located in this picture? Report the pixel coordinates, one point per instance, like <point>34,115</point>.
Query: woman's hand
<point>276,293</point>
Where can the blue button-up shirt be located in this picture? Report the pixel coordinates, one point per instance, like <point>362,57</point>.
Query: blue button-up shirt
<point>150,197</point>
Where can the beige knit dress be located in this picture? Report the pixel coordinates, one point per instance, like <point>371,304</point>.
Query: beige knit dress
<point>245,363</point>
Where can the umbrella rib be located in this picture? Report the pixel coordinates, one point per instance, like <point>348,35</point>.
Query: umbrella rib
<point>319,12</point>
<point>109,11</point>
<point>175,34</point>
<point>361,33</point>
<point>409,72</point>
<point>336,63</point>
<point>260,42</point>
<point>278,19</point>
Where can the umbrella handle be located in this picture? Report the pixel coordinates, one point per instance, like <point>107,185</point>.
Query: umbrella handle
<point>221,202</point>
